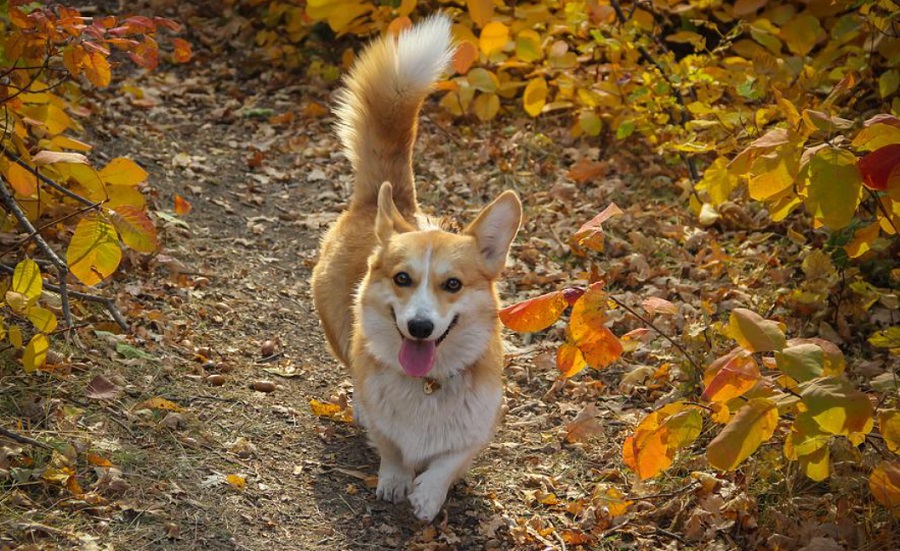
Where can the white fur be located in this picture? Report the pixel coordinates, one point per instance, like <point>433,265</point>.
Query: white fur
<point>424,52</point>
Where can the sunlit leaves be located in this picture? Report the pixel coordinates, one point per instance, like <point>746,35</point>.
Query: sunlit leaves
<point>135,228</point>
<point>330,411</point>
<point>752,425</point>
<point>659,436</point>
<point>730,376</point>
<point>534,314</point>
<point>834,187</point>
<point>881,168</point>
<point>754,333</point>
<point>27,280</point>
<point>535,96</point>
<point>889,426</point>
<point>43,319</point>
<point>838,407</point>
<point>35,353</point>
<point>122,172</point>
<point>587,327</point>
<point>569,360</point>
<point>590,234</point>
<point>884,483</point>
<point>93,253</point>
<point>493,38</point>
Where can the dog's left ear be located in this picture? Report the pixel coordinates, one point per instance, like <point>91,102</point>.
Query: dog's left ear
<point>388,220</point>
<point>495,228</point>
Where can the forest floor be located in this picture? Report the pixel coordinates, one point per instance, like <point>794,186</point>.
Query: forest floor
<point>184,454</point>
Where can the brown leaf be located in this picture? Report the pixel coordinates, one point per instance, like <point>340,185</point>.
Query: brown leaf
<point>101,388</point>
<point>584,426</point>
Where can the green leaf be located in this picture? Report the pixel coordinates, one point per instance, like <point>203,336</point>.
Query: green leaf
<point>838,407</point>
<point>889,338</point>
<point>752,425</point>
<point>888,83</point>
<point>625,129</point>
<point>528,46</point>
<point>801,362</point>
<point>132,353</point>
<point>483,80</point>
<point>835,186</point>
<point>754,333</point>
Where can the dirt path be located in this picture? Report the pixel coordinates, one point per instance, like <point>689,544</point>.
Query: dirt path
<point>230,296</point>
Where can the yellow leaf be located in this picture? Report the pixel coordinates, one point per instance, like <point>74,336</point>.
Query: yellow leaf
<point>122,172</point>
<point>27,280</point>
<point>481,11</point>
<point>158,403</point>
<point>884,483</point>
<point>590,123</point>
<point>754,333</point>
<point>528,46</point>
<point>889,425</point>
<point>331,411</point>
<point>752,425</point>
<point>816,465</point>
<point>494,37</point>
<point>22,180</point>
<point>35,353</point>
<point>838,407</point>
<point>124,196</point>
<point>835,187</point>
<point>486,106</point>
<point>718,181</point>
<point>535,96</point>
<point>236,481</point>
<point>483,80</point>
<point>862,240</point>
<point>44,320</point>
<point>94,252</point>
<point>587,326</point>
<point>801,33</point>
<point>66,142</point>
<point>15,336</point>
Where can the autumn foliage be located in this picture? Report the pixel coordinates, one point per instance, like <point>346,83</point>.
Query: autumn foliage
<point>52,191</point>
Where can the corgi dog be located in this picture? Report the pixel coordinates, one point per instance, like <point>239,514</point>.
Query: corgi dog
<point>409,307</point>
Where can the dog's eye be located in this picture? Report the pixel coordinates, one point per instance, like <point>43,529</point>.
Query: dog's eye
<point>452,285</point>
<point>402,279</point>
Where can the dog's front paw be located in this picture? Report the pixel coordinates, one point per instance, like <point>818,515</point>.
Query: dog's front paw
<point>393,485</point>
<point>427,499</point>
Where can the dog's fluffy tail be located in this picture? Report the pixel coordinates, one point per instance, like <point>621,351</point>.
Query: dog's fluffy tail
<point>379,108</point>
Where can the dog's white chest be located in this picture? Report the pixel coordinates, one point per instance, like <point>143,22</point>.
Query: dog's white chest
<point>453,417</point>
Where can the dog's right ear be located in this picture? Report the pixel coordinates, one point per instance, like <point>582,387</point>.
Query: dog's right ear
<point>388,220</point>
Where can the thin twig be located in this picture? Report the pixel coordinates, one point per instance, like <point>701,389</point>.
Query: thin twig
<point>54,222</point>
<point>61,266</point>
<point>67,192</point>
<point>23,439</point>
<point>107,302</point>
<point>650,324</point>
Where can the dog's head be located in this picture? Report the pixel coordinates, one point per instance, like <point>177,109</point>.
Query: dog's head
<point>427,304</point>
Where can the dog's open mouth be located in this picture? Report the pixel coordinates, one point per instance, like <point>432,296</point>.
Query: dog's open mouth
<point>417,357</point>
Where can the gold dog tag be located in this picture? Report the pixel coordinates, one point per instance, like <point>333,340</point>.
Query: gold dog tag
<point>430,385</point>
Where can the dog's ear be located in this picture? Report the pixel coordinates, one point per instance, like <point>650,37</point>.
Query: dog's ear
<point>494,229</point>
<point>388,220</point>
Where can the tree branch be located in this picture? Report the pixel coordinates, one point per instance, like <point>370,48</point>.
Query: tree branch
<point>15,437</point>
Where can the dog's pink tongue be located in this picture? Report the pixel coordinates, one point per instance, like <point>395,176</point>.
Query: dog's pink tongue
<point>417,357</point>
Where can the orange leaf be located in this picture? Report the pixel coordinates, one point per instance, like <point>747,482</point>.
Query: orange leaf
<point>135,228</point>
<point>182,52</point>
<point>659,436</point>
<point>534,314</point>
<point>22,180</point>
<point>466,54</point>
<point>569,360</point>
<point>587,171</point>
<point>884,484</point>
<point>590,234</point>
<point>97,70</point>
<point>182,207</point>
<point>158,403</point>
<point>331,411</point>
<point>730,376</point>
<point>589,332</point>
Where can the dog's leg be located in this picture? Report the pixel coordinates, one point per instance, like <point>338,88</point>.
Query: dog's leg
<point>431,486</point>
<point>395,479</point>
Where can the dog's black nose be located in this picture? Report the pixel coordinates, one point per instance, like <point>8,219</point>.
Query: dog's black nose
<point>420,328</point>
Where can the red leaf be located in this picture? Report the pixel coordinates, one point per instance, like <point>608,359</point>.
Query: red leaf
<point>880,167</point>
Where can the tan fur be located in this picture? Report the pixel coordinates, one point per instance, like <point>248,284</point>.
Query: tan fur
<point>425,440</point>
